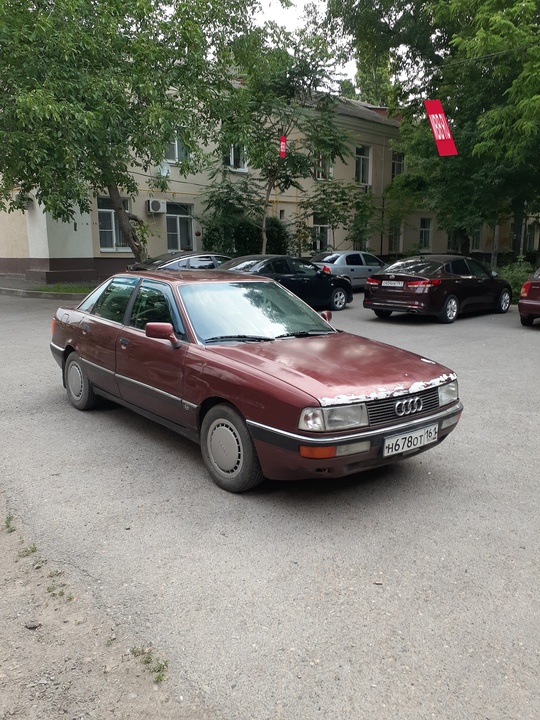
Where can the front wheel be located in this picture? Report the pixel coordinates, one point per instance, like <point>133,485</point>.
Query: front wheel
<point>450,310</point>
<point>79,389</point>
<point>228,451</point>
<point>504,301</point>
<point>383,314</point>
<point>338,299</point>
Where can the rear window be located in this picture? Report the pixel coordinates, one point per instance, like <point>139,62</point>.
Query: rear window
<point>414,266</point>
<point>326,258</point>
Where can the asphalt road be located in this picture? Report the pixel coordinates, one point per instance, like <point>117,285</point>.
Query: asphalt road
<point>408,593</point>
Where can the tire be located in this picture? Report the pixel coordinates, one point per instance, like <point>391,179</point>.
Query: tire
<point>79,389</point>
<point>504,301</point>
<point>450,310</point>
<point>383,314</point>
<point>526,320</point>
<point>338,299</point>
<point>228,451</point>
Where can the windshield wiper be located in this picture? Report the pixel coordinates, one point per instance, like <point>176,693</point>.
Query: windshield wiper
<point>239,338</point>
<point>306,333</point>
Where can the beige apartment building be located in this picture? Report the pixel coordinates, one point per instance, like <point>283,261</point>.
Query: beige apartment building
<point>90,247</point>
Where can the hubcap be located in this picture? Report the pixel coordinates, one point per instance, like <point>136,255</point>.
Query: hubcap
<point>75,381</point>
<point>505,301</point>
<point>339,300</point>
<point>225,448</point>
<point>451,310</point>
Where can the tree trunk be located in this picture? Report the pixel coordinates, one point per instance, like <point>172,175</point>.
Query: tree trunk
<point>269,189</point>
<point>495,248</point>
<point>124,222</point>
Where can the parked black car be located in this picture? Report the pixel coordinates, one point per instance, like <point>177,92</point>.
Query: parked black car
<point>302,277</point>
<point>441,285</point>
<point>182,260</point>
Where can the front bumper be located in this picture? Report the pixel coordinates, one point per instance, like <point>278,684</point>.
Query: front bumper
<point>279,451</point>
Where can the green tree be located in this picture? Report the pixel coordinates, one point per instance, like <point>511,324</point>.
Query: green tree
<point>283,90</point>
<point>92,91</point>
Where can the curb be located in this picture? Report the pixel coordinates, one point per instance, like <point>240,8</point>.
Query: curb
<point>40,294</point>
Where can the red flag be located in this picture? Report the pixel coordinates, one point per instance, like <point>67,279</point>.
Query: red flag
<point>282,146</point>
<point>439,126</point>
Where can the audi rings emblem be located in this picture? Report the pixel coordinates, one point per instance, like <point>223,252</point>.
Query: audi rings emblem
<point>408,406</point>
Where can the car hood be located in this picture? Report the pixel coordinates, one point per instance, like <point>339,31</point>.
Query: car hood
<point>340,368</point>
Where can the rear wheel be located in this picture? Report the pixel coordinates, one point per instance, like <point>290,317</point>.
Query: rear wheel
<point>526,320</point>
<point>79,389</point>
<point>504,301</point>
<point>383,314</point>
<point>450,310</point>
<point>228,451</point>
<point>338,299</point>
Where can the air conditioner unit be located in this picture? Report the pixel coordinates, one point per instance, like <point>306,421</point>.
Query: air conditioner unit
<point>156,207</point>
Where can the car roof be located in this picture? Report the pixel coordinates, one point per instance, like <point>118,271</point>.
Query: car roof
<point>191,277</point>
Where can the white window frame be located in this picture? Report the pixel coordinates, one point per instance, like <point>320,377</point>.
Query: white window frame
<point>321,234</point>
<point>398,163</point>
<point>176,152</point>
<point>237,158</point>
<point>324,169</point>
<point>170,216</point>
<point>118,242</point>
<point>362,165</point>
<point>425,233</point>
<point>475,241</point>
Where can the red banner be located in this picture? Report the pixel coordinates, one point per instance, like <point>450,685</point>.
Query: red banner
<point>439,126</point>
<point>282,146</point>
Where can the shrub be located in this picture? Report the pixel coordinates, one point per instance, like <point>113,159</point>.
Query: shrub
<point>516,274</point>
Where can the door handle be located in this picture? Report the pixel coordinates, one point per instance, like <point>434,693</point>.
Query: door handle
<point>124,342</point>
<point>85,328</point>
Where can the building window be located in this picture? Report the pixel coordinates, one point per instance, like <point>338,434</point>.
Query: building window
<point>475,240</point>
<point>425,233</point>
<point>236,159</point>
<point>398,163</point>
<point>362,165</point>
<point>320,233</point>
<point>179,227</point>
<point>176,152</point>
<point>323,168</point>
<point>110,237</point>
<point>394,237</point>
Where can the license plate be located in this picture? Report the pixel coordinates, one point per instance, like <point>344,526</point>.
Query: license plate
<point>392,283</point>
<point>409,442</point>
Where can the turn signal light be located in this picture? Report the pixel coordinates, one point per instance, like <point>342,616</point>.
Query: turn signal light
<point>317,453</point>
<point>326,270</point>
<point>525,289</point>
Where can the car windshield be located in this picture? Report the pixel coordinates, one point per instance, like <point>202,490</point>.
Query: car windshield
<point>414,266</point>
<point>325,257</point>
<point>244,311</point>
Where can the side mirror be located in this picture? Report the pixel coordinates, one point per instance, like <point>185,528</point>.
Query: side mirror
<point>162,331</point>
<point>326,315</point>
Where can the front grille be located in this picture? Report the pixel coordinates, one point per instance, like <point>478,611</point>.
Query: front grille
<point>381,412</point>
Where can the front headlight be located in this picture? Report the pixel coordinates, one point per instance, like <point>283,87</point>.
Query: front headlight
<point>331,419</point>
<point>448,393</point>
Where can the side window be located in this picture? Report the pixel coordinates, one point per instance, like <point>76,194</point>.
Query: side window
<point>113,302</point>
<point>371,259</point>
<point>302,268</point>
<point>279,267</point>
<point>176,265</point>
<point>354,259</point>
<point>459,267</point>
<point>204,262</point>
<point>477,268</point>
<point>154,303</point>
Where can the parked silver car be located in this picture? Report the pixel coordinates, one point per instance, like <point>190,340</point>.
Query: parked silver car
<point>355,265</point>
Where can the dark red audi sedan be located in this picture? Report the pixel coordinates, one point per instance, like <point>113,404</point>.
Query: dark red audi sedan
<point>242,366</point>
<point>441,285</point>
<point>529,300</point>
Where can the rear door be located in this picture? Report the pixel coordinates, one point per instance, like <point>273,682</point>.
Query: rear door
<point>487,288</point>
<point>354,268</point>
<point>99,330</point>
